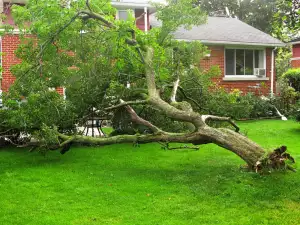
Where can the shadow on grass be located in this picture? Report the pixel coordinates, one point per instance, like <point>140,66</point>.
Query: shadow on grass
<point>295,130</point>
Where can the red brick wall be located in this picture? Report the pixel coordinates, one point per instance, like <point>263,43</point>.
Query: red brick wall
<point>217,58</point>
<point>9,45</point>
<point>296,54</point>
<point>60,90</point>
<point>296,63</point>
<point>296,50</point>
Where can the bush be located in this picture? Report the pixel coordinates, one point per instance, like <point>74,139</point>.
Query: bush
<point>297,116</point>
<point>239,106</point>
<point>215,100</point>
<point>286,102</point>
<point>293,77</point>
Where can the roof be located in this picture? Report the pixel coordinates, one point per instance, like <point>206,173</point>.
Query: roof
<point>135,3</point>
<point>229,31</point>
<point>295,41</point>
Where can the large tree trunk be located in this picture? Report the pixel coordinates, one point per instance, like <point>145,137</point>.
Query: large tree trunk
<point>249,151</point>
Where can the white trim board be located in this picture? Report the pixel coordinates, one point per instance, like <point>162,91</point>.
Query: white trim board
<point>14,31</point>
<point>295,43</point>
<point>244,78</point>
<point>125,5</point>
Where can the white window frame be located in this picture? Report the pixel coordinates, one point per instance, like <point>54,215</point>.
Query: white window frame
<point>244,77</point>
<point>124,10</point>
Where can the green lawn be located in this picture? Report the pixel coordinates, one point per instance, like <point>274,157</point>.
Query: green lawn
<point>147,185</point>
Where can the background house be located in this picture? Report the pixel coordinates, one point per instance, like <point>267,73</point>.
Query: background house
<point>142,10</point>
<point>244,54</point>
<point>296,53</point>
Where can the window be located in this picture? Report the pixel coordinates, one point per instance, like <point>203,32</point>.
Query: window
<point>242,62</point>
<point>122,15</point>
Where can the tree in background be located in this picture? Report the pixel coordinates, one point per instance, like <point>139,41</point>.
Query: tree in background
<point>286,22</point>
<point>283,61</point>
<point>257,13</point>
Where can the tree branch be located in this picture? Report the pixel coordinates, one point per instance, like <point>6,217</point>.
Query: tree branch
<point>185,95</point>
<point>142,139</point>
<point>156,101</point>
<point>66,142</point>
<point>167,146</point>
<point>125,104</point>
<point>46,43</point>
<point>150,75</point>
<point>218,118</point>
<point>92,15</point>
<point>87,3</point>
<point>174,90</point>
<point>189,98</point>
<point>235,142</point>
<point>138,120</point>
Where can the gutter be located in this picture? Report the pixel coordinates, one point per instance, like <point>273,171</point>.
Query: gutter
<point>234,43</point>
<point>294,43</point>
<point>131,5</point>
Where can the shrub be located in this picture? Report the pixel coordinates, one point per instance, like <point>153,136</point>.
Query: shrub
<point>297,116</point>
<point>286,102</point>
<point>239,106</point>
<point>293,77</point>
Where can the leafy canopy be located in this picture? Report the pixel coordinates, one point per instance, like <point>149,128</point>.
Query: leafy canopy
<point>257,13</point>
<point>91,58</point>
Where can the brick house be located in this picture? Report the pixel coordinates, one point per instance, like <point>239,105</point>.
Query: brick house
<point>244,54</point>
<point>295,61</point>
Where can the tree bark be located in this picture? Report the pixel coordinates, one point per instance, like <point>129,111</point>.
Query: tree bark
<point>246,149</point>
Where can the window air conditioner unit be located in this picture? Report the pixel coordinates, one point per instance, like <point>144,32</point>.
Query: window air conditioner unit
<point>259,72</point>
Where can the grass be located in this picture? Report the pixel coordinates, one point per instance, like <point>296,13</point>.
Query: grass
<point>146,185</point>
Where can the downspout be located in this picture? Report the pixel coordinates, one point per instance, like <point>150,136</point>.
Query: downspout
<point>272,71</point>
<point>272,84</point>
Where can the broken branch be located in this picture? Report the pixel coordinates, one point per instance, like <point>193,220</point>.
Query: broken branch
<point>218,118</point>
<point>138,120</point>
<point>125,104</point>
<point>174,90</point>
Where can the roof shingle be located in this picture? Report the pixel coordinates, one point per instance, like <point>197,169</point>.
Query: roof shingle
<point>224,30</point>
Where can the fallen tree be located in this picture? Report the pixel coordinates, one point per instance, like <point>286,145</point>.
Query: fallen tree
<point>106,49</point>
